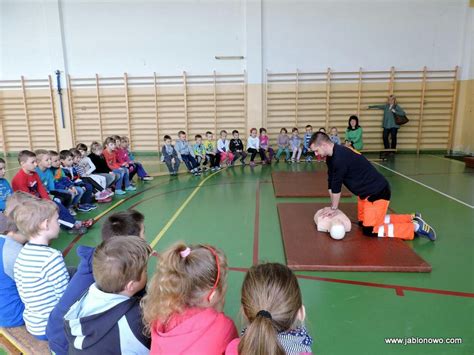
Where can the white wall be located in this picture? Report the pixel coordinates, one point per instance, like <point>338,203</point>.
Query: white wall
<point>113,37</point>
<point>141,37</point>
<point>169,36</point>
<point>346,35</point>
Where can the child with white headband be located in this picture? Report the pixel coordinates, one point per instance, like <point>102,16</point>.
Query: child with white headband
<point>182,310</point>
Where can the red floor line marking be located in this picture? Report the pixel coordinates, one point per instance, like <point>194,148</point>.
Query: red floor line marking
<point>256,226</point>
<point>399,290</point>
<point>67,250</point>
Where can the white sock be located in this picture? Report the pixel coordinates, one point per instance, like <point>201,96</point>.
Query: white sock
<point>416,225</point>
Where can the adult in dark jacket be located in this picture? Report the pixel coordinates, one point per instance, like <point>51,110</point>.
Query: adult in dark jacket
<point>349,167</point>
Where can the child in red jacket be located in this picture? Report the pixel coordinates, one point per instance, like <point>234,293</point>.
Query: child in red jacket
<point>183,307</point>
<point>120,169</point>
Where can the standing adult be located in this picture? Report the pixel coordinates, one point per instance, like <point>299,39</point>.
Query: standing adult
<point>349,167</point>
<point>390,127</point>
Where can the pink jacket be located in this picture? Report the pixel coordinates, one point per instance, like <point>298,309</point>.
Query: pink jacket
<point>122,155</point>
<point>196,331</point>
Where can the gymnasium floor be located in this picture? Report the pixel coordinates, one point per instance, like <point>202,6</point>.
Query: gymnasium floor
<point>347,312</point>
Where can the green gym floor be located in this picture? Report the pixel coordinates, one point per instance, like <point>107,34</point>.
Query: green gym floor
<point>347,312</point>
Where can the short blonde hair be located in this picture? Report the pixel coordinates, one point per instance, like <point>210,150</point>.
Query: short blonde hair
<point>119,260</point>
<point>15,200</point>
<point>40,152</point>
<point>29,215</point>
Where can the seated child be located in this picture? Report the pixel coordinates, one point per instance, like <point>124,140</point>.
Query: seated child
<point>334,136</point>
<point>265,145</point>
<point>125,223</point>
<point>274,310</point>
<point>85,191</point>
<point>354,134</point>
<point>170,156</point>
<point>225,155</point>
<point>87,169</point>
<point>124,156</point>
<point>28,180</point>
<point>307,137</point>
<point>5,188</point>
<point>186,154</point>
<point>62,185</point>
<point>100,165</point>
<point>11,242</point>
<point>295,144</point>
<point>283,144</point>
<point>43,169</point>
<point>120,169</point>
<point>98,183</point>
<point>107,318</point>
<point>253,147</point>
<point>40,273</point>
<point>200,151</point>
<point>183,306</point>
<point>211,152</point>
<point>237,148</point>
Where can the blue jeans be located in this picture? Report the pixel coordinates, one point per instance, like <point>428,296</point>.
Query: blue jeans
<point>123,178</point>
<point>189,161</point>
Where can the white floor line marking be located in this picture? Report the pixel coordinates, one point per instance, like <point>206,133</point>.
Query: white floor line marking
<point>444,158</point>
<point>424,185</point>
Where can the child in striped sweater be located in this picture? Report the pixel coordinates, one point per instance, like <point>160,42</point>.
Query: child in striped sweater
<point>40,272</point>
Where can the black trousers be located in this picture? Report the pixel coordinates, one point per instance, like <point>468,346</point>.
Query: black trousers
<point>254,152</point>
<point>392,132</point>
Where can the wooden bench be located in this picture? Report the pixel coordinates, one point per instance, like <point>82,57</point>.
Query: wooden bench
<point>382,152</point>
<point>18,341</point>
<point>469,161</point>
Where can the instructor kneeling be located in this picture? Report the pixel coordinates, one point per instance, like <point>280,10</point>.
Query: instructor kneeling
<point>347,166</point>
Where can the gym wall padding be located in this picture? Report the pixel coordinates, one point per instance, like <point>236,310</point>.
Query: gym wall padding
<point>327,99</point>
<point>148,107</point>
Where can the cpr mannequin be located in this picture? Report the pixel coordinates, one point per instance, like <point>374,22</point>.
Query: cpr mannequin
<point>336,225</point>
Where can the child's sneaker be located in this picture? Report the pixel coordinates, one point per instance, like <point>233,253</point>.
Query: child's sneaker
<point>77,229</point>
<point>424,229</point>
<point>91,206</point>
<point>88,223</point>
<point>102,195</point>
<point>252,163</point>
<point>197,173</point>
<point>110,191</point>
<point>147,178</point>
<point>243,162</point>
<point>130,188</point>
<point>84,208</point>
<point>72,212</point>
<point>120,192</point>
<point>105,200</point>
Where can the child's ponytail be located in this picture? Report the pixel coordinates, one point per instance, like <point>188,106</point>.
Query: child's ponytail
<point>260,338</point>
<point>271,300</point>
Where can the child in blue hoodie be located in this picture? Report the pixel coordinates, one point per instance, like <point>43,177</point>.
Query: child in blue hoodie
<point>128,222</point>
<point>11,242</point>
<point>107,319</point>
<point>5,188</point>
